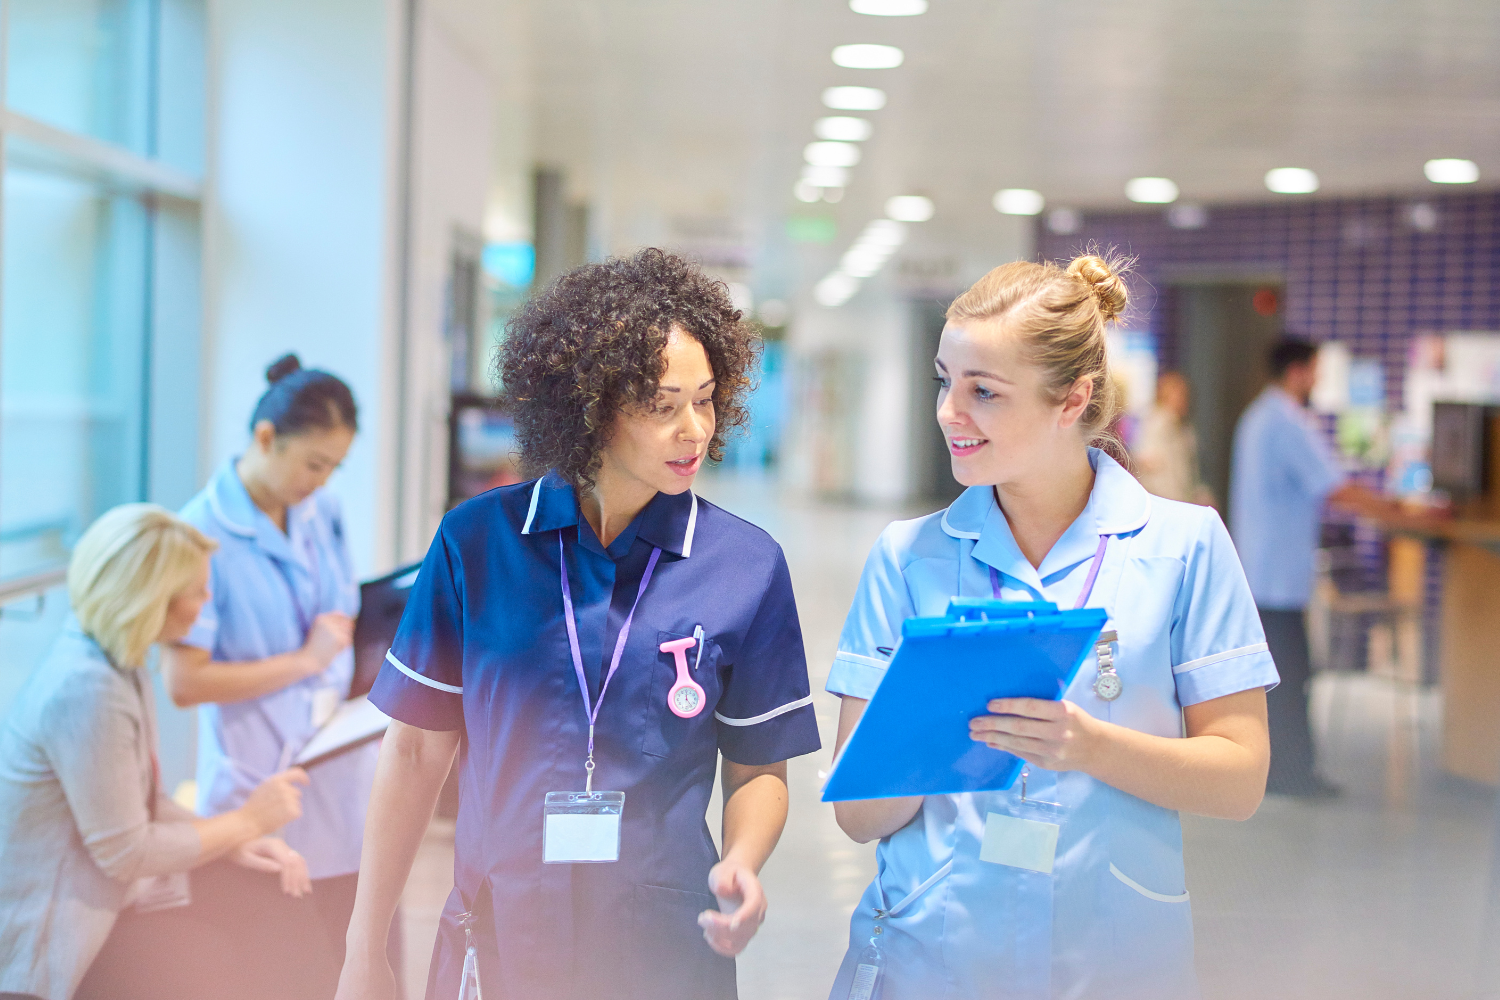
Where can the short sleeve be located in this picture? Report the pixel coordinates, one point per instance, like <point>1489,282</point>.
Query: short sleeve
<point>765,714</point>
<point>1218,645</point>
<point>1310,459</point>
<point>873,628</point>
<point>421,681</point>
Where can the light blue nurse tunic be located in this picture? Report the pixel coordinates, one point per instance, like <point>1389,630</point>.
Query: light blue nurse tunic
<point>267,587</point>
<point>1113,918</point>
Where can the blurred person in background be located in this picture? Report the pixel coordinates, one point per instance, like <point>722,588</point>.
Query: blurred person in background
<point>269,660</point>
<point>1283,473</point>
<point>1165,458</point>
<point>546,607</point>
<point>1071,883</point>
<point>108,888</point>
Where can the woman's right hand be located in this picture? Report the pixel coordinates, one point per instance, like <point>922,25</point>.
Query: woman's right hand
<point>332,632</point>
<point>366,977</point>
<point>276,801</point>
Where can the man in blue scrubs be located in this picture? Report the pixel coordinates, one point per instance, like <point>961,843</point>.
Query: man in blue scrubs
<point>1284,472</point>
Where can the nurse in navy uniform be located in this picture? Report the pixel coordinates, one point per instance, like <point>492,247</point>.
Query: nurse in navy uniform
<point>590,643</point>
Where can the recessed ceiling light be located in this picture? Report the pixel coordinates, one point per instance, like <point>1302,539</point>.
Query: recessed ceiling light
<point>889,8</point>
<point>836,289</point>
<point>854,98</point>
<point>828,177</point>
<point>831,154</point>
<point>909,208</point>
<point>884,232</point>
<point>842,129</point>
<point>1019,201</point>
<point>807,192</point>
<point>1151,190</point>
<point>867,56</point>
<point>861,262</point>
<point>1291,180</point>
<point>1451,171</point>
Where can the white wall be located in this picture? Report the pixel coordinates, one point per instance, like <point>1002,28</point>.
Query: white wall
<point>298,226</point>
<point>451,178</point>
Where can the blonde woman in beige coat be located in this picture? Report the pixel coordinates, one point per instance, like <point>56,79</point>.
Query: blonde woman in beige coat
<point>108,888</point>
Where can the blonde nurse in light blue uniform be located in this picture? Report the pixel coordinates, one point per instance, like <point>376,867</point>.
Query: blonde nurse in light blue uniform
<point>269,659</point>
<point>1071,884</point>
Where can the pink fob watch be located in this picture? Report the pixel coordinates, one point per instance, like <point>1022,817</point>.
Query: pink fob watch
<point>686,699</point>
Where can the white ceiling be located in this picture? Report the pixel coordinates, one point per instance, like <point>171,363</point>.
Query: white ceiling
<point>690,115</point>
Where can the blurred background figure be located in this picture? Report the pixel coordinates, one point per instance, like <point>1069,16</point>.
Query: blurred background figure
<point>1284,474</point>
<point>269,658</point>
<point>1165,456</point>
<point>108,888</point>
<point>391,181</point>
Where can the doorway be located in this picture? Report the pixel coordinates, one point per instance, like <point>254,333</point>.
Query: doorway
<point>1224,331</point>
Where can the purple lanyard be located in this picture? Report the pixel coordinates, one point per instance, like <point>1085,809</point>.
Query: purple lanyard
<point>614,662</point>
<point>1088,584</point>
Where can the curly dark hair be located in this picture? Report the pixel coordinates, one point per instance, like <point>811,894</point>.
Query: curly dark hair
<point>591,345</point>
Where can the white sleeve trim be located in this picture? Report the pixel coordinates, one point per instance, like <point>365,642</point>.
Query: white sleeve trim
<point>437,685</point>
<point>1204,661</point>
<point>790,706</point>
<point>1159,897</point>
<point>868,661</point>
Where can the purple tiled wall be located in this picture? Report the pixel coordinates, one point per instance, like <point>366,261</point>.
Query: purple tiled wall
<point>1371,272</point>
<point>1367,271</point>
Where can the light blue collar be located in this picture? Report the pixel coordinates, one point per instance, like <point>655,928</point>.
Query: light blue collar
<point>1118,505</point>
<point>232,507</point>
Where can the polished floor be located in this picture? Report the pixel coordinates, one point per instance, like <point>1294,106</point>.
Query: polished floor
<point>1378,895</point>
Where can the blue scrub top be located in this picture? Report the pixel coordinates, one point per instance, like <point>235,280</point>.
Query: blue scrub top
<point>483,648</point>
<point>1112,919</point>
<point>266,584</point>
<point>1283,472</point>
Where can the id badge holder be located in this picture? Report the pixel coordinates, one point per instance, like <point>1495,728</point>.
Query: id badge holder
<point>581,827</point>
<point>1025,836</point>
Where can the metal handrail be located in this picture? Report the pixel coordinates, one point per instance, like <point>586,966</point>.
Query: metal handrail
<point>32,584</point>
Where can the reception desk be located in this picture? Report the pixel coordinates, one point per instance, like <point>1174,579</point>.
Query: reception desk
<point>1469,628</point>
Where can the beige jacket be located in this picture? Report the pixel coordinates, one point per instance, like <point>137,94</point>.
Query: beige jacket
<point>76,777</point>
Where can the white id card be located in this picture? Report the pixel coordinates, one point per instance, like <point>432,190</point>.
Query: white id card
<point>1019,843</point>
<point>581,827</point>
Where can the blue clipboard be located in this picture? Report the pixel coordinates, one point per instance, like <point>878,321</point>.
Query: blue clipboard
<point>913,738</point>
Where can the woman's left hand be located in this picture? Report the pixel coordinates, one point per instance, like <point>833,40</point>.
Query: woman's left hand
<point>268,854</point>
<point>1056,735</point>
<point>729,933</point>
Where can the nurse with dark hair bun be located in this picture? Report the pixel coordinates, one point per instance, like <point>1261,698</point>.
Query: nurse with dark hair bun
<point>269,658</point>
<point>591,644</point>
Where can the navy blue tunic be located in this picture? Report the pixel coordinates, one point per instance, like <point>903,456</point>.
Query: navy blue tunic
<point>483,649</point>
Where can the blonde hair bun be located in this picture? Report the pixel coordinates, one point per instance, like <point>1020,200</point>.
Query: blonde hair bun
<point>1105,281</point>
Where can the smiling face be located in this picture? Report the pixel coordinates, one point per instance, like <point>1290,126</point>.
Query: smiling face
<point>291,467</point>
<point>661,446</point>
<point>993,407</point>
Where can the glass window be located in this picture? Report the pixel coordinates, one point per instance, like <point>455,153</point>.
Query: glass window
<point>84,66</point>
<point>72,361</point>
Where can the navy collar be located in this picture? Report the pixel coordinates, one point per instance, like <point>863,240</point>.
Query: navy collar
<point>668,521</point>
